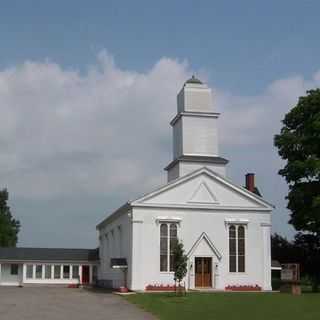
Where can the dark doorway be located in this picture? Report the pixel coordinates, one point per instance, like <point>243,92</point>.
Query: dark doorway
<point>203,274</point>
<point>85,274</point>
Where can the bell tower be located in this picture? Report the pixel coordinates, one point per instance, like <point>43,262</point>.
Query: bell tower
<point>195,133</point>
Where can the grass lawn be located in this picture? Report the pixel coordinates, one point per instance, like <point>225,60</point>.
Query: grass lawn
<point>229,306</point>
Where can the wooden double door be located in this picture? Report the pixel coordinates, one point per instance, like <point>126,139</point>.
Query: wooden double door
<point>203,272</point>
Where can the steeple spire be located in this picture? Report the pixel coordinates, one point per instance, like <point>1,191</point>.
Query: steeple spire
<point>195,134</point>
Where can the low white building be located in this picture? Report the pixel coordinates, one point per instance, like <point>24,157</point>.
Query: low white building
<point>225,228</point>
<point>30,266</point>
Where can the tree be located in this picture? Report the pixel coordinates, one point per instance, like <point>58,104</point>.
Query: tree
<point>303,249</point>
<point>284,250</point>
<point>299,144</point>
<point>179,262</point>
<point>309,248</point>
<point>9,227</point>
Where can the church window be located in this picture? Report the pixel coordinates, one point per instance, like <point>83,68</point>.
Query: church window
<point>164,247</point>
<point>173,241</point>
<point>241,249</point>
<point>232,249</point>
<point>236,248</point>
<point>168,238</point>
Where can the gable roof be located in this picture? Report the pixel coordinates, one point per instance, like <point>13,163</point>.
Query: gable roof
<point>48,254</point>
<point>204,170</point>
<point>211,245</point>
<point>139,201</point>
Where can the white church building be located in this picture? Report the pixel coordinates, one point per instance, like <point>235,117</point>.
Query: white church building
<point>225,228</point>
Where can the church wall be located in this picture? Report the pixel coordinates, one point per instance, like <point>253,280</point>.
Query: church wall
<point>177,139</point>
<point>197,99</point>
<point>183,168</point>
<point>180,101</point>
<point>188,167</point>
<point>173,173</point>
<point>115,242</point>
<point>199,136</point>
<point>146,260</point>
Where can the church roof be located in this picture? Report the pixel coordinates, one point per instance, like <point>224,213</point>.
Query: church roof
<point>194,80</point>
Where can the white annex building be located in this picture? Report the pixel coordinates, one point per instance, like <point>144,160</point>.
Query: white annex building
<point>225,228</point>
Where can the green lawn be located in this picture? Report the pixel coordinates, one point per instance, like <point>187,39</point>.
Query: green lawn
<point>229,306</point>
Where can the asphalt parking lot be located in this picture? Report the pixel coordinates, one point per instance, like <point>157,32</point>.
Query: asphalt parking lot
<point>52,303</point>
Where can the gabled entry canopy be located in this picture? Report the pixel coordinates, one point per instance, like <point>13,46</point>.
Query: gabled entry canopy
<point>204,188</point>
<point>204,240</point>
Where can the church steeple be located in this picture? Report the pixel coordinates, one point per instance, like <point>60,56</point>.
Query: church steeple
<point>195,134</point>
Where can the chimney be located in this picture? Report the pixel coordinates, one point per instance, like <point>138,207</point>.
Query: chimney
<point>250,182</point>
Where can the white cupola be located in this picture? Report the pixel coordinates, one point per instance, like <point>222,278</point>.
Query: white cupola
<point>195,133</point>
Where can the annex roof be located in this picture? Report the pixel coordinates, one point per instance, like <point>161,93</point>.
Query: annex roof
<point>48,254</point>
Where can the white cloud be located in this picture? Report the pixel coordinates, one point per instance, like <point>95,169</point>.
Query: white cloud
<point>64,132</point>
<point>106,132</point>
<point>253,120</point>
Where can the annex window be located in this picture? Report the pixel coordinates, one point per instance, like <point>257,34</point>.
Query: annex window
<point>57,271</point>
<point>168,239</point>
<point>66,272</point>
<point>14,269</point>
<point>47,271</point>
<point>236,248</point>
<point>75,272</point>
<point>38,271</point>
<point>29,271</point>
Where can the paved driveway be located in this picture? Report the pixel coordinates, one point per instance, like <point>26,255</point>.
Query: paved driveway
<point>48,303</point>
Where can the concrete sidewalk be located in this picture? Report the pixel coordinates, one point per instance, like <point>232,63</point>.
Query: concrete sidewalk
<point>53,303</point>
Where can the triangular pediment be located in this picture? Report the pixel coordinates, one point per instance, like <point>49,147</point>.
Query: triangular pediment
<point>203,189</point>
<point>204,247</point>
<point>203,195</point>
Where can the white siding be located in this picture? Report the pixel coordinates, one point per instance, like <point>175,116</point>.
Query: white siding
<point>198,100</point>
<point>180,101</point>
<point>200,136</point>
<point>173,173</point>
<point>6,278</point>
<point>188,167</point>
<point>119,247</point>
<point>177,139</point>
<point>146,243</point>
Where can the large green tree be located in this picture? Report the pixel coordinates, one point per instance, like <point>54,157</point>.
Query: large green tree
<point>299,144</point>
<point>9,227</point>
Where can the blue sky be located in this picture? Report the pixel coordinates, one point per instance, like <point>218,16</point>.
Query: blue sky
<point>62,64</point>
<point>242,44</point>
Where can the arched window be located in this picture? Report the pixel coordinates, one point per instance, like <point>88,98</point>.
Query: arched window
<point>236,248</point>
<point>241,249</point>
<point>164,247</point>
<point>173,241</point>
<point>168,238</point>
<point>232,249</point>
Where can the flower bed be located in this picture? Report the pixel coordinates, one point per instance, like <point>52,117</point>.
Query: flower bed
<point>160,287</point>
<point>243,288</point>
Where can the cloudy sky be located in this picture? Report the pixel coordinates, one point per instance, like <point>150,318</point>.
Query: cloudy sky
<point>87,90</point>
